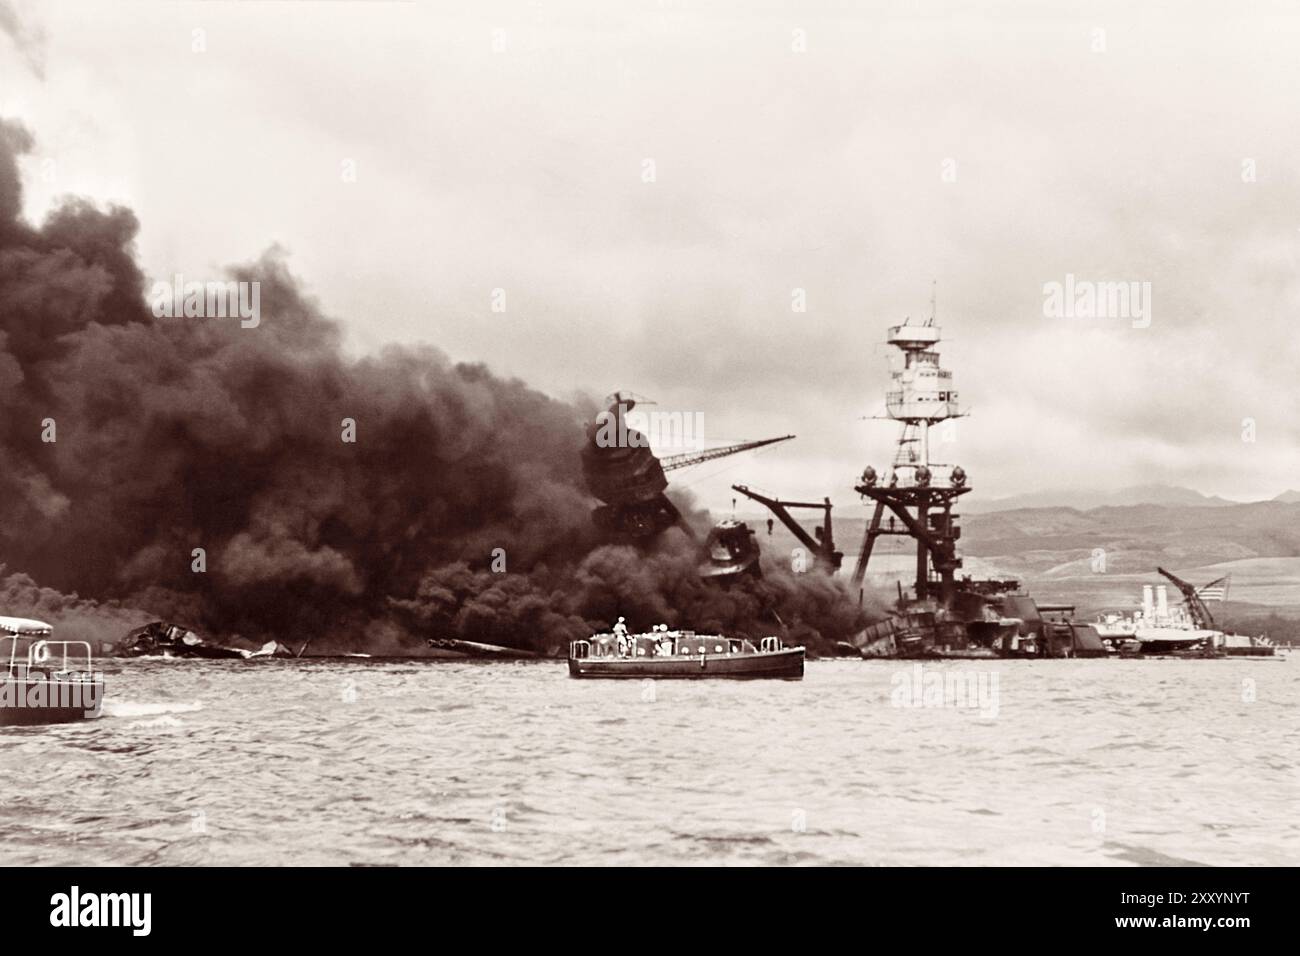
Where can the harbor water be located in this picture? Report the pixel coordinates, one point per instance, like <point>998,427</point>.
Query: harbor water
<point>394,762</point>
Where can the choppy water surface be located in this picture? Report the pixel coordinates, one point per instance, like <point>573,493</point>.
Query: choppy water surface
<point>1091,762</point>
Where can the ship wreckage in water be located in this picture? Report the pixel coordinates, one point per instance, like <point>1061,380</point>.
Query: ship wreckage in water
<point>946,616</point>
<point>629,479</point>
<point>621,472</point>
<point>159,639</point>
<point>943,615</point>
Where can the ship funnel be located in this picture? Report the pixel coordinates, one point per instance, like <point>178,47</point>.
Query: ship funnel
<point>1148,603</point>
<point>1162,601</point>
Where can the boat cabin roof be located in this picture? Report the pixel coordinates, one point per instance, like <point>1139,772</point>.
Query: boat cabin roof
<point>604,638</point>
<point>24,626</point>
<point>685,642</point>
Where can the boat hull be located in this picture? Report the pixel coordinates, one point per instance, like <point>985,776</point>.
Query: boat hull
<point>785,664</point>
<point>1257,650</point>
<point>30,703</point>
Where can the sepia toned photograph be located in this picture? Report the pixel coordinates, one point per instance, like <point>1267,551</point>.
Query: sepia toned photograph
<point>653,434</point>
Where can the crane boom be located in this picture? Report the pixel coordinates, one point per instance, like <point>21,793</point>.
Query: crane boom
<point>695,457</point>
<point>1201,615</point>
<point>822,545</point>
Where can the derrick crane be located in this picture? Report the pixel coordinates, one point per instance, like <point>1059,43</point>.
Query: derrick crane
<point>621,470</point>
<point>686,459</point>
<point>1196,606</point>
<point>821,543</point>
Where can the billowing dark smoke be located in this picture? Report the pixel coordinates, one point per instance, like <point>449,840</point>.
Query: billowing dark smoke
<point>78,619</point>
<point>175,434</point>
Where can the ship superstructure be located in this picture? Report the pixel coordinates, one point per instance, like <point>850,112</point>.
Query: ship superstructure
<point>625,474</point>
<point>914,497</point>
<point>1159,627</point>
<point>917,491</point>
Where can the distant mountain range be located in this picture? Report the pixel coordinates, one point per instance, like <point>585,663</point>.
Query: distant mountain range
<point>1086,500</point>
<point>1056,550</point>
<point>1135,537</point>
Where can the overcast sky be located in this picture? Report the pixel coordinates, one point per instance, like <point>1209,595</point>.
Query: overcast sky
<point>859,157</point>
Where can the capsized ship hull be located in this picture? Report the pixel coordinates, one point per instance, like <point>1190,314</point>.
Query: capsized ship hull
<point>987,619</point>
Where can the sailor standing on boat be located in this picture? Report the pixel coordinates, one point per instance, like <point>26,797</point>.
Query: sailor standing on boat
<point>620,632</point>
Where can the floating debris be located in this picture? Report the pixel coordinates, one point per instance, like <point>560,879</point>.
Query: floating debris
<point>453,648</point>
<point>158,639</point>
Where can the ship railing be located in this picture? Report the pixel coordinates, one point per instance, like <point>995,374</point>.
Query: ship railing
<point>580,649</point>
<point>48,656</point>
<point>770,645</point>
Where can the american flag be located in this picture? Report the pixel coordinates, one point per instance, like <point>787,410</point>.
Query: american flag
<point>1215,590</point>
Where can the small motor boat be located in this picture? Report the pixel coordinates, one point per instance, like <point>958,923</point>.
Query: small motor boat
<point>48,682</point>
<point>683,654</point>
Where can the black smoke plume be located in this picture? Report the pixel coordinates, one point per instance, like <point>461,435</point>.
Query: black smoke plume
<point>175,434</point>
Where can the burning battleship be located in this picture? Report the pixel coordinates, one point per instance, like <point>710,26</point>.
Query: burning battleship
<point>944,615</point>
<point>629,479</point>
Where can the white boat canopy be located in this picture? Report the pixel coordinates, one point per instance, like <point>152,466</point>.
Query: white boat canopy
<point>24,626</point>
